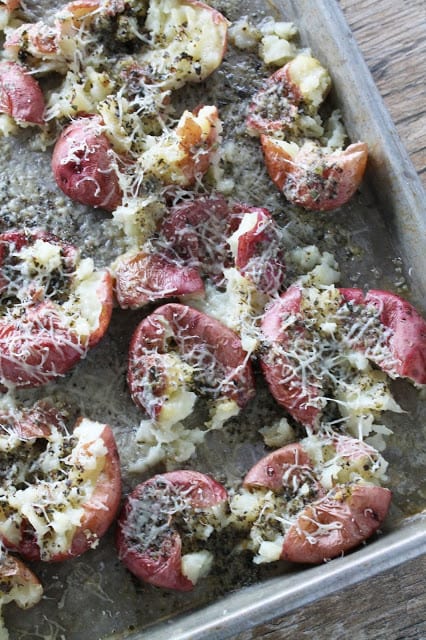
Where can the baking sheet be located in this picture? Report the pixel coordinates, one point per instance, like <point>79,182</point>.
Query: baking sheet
<point>82,598</point>
<point>278,596</point>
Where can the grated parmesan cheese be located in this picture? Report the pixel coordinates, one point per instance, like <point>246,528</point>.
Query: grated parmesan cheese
<point>48,491</point>
<point>336,464</point>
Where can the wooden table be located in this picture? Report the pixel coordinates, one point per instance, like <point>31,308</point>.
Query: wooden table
<point>392,36</point>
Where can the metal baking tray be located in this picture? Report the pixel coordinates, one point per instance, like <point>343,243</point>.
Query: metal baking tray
<point>401,207</point>
<point>93,595</point>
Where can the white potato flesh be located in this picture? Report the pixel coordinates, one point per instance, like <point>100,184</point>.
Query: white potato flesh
<point>83,310</point>
<point>79,95</point>
<point>269,550</point>
<point>179,405</point>
<point>237,307</point>
<point>277,51</point>
<point>310,77</point>
<point>188,37</point>
<point>197,565</point>
<point>248,222</point>
<point>278,434</point>
<point>175,156</point>
<point>40,256</point>
<point>221,412</point>
<point>18,583</point>
<point>85,465</point>
<point>243,34</point>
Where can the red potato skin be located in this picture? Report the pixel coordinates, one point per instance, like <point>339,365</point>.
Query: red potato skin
<point>37,347</point>
<point>191,330</point>
<point>46,348</point>
<point>316,182</point>
<point>290,462</point>
<point>360,511</point>
<point>352,448</point>
<point>104,294</point>
<point>408,340</point>
<point>181,224</point>
<point>32,423</point>
<point>247,242</point>
<point>197,232</point>
<point>165,569</point>
<point>197,158</point>
<point>281,467</point>
<point>265,116</point>
<point>269,274</point>
<point>163,572</point>
<point>11,5</point>
<point>185,226</point>
<point>82,163</point>
<point>81,8</point>
<point>21,239</point>
<point>14,571</point>
<point>406,344</point>
<point>33,37</point>
<point>99,512</point>
<point>146,277</point>
<point>298,399</point>
<point>20,94</point>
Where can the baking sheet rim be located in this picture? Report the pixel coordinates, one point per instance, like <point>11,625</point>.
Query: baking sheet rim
<point>257,604</point>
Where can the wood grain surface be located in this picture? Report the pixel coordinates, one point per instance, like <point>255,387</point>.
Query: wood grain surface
<point>392,37</point>
<point>392,606</point>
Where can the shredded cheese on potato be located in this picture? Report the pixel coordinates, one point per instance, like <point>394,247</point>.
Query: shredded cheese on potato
<point>48,491</point>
